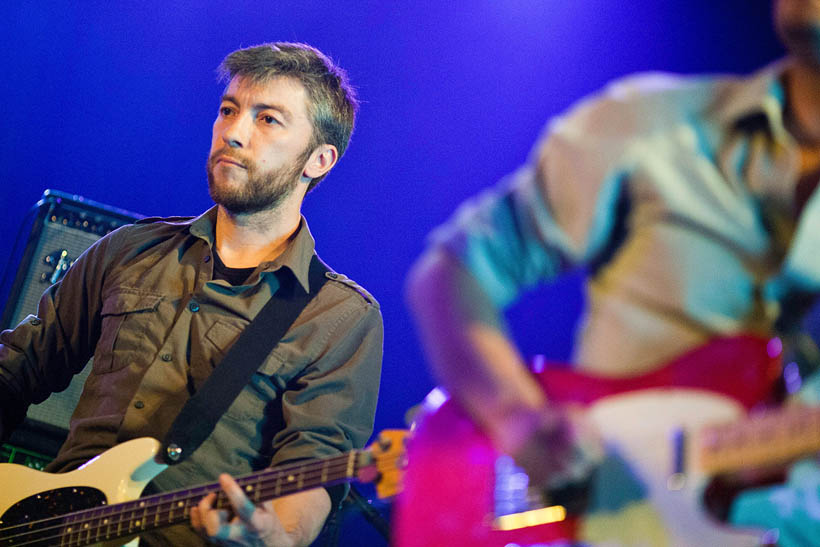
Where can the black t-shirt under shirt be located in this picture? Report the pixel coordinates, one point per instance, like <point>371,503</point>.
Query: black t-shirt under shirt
<point>234,276</point>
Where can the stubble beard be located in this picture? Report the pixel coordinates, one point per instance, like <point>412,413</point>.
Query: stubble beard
<point>261,191</point>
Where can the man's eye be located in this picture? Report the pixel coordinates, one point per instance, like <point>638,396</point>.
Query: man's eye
<point>226,110</point>
<point>270,120</point>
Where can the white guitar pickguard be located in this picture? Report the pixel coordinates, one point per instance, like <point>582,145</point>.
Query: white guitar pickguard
<point>121,474</point>
<point>639,426</point>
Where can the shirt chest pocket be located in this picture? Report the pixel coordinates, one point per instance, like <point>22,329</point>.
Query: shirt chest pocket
<point>266,384</point>
<point>126,335</point>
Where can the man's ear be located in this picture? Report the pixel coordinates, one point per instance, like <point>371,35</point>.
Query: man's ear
<point>321,160</point>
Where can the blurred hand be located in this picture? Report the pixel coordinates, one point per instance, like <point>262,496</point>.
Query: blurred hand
<point>563,448</point>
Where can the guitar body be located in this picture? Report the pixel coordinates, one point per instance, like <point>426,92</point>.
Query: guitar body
<point>451,482</point>
<point>119,474</point>
<point>670,512</point>
<point>447,495</point>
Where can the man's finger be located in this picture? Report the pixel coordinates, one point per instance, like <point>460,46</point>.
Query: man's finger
<point>233,534</point>
<point>215,522</point>
<point>242,506</point>
<point>196,521</point>
<point>200,510</point>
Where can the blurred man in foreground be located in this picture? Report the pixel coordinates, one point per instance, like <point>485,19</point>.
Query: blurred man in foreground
<point>691,203</point>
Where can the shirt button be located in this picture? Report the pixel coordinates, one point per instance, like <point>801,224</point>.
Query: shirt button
<point>207,258</point>
<point>166,357</point>
<point>36,321</point>
<point>139,404</point>
<point>193,306</point>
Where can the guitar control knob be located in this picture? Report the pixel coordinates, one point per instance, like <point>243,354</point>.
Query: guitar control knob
<point>174,451</point>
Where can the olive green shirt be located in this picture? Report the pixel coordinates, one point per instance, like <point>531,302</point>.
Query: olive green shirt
<point>143,302</point>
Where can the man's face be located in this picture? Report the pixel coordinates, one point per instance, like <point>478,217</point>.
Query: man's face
<point>260,144</point>
<point>798,24</point>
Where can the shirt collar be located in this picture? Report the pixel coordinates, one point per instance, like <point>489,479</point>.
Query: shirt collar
<point>296,256</point>
<point>760,93</point>
<point>204,226</point>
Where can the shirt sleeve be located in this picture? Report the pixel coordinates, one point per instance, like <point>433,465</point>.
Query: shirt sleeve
<point>40,355</point>
<point>330,407</point>
<point>555,212</point>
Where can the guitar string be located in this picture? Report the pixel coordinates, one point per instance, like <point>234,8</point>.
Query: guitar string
<point>283,470</point>
<point>154,501</point>
<point>84,537</point>
<point>267,474</point>
<point>265,491</point>
<point>85,534</point>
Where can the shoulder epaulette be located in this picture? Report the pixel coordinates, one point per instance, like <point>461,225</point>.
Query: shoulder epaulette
<point>349,283</point>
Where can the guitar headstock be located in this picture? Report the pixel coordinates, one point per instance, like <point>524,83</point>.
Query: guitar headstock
<point>386,461</point>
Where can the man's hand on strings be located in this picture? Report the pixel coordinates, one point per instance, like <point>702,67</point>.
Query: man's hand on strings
<point>252,525</point>
<point>560,447</point>
<point>294,520</point>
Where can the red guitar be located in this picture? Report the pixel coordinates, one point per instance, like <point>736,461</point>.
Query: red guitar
<point>666,433</point>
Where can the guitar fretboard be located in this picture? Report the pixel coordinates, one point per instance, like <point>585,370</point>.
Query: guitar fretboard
<point>769,438</point>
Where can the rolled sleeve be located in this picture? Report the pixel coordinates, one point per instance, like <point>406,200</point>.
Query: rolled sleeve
<point>555,212</point>
<point>498,236</point>
<point>41,354</point>
<point>330,407</point>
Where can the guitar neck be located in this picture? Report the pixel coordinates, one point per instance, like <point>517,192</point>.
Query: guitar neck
<point>160,510</point>
<point>770,438</point>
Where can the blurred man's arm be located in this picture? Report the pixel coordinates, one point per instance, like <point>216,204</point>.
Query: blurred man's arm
<point>471,355</point>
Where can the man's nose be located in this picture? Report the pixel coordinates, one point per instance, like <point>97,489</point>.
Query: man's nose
<point>236,134</point>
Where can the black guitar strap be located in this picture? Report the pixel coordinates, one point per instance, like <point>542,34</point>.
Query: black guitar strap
<point>198,417</point>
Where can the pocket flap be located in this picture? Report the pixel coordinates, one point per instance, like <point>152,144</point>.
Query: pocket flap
<point>130,301</point>
<point>223,334</point>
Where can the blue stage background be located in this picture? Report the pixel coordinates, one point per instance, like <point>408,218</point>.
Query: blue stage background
<point>115,100</point>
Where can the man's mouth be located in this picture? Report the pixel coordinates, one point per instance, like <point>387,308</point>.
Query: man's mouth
<point>229,161</point>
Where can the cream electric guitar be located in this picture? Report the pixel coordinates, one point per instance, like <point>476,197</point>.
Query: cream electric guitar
<point>667,435</point>
<point>99,502</point>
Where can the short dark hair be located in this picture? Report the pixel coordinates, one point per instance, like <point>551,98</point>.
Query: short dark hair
<point>332,102</point>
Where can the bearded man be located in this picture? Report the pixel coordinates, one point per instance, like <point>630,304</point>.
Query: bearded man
<point>159,303</point>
